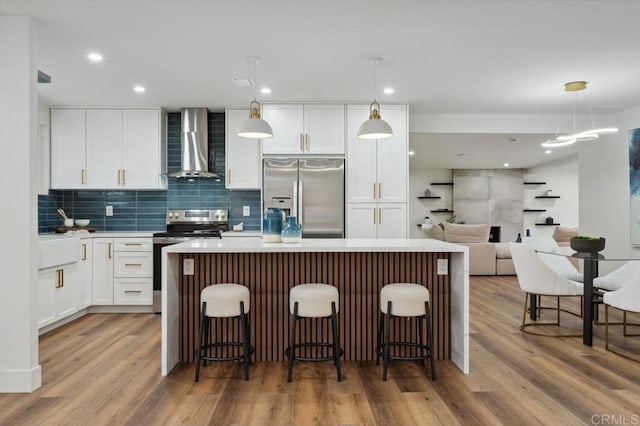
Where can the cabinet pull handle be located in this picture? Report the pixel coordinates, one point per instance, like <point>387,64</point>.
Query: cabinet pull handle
<point>374,190</point>
<point>306,141</point>
<point>374,216</point>
<point>57,278</point>
<point>229,176</point>
<point>133,244</point>
<point>379,215</point>
<point>132,291</point>
<point>118,176</point>
<point>109,250</point>
<point>84,252</point>
<point>124,176</point>
<point>133,264</point>
<point>83,176</point>
<point>301,142</point>
<point>379,190</point>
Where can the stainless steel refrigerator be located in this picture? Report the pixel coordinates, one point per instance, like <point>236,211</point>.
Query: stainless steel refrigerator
<point>312,189</point>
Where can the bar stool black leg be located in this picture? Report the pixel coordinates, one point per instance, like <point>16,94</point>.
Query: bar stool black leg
<point>207,339</point>
<point>387,321</point>
<point>421,348</point>
<point>245,343</point>
<point>292,336</point>
<point>203,308</point>
<point>430,340</point>
<point>336,340</point>
<point>380,337</point>
<point>248,334</point>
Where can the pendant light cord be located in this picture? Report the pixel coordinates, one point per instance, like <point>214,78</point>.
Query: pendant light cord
<point>374,79</point>
<point>255,80</point>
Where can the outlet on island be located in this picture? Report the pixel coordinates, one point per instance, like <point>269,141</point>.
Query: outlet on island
<point>109,211</point>
<point>246,211</point>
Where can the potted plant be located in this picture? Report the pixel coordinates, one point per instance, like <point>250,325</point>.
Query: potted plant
<point>587,244</point>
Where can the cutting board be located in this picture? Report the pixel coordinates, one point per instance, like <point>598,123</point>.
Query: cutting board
<point>63,229</point>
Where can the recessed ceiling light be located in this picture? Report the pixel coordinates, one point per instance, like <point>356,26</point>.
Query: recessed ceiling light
<point>412,152</point>
<point>265,90</point>
<point>506,164</point>
<point>94,57</point>
<point>139,89</point>
<point>388,90</point>
<point>548,151</point>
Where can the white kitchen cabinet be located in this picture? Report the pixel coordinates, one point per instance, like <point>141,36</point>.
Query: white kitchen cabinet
<point>103,271</point>
<point>133,264</point>
<point>133,271</point>
<point>85,274</point>
<point>304,129</point>
<point>57,293</point>
<point>133,291</point>
<point>377,220</point>
<point>243,157</point>
<point>377,170</point>
<point>107,149</point>
<point>68,148</point>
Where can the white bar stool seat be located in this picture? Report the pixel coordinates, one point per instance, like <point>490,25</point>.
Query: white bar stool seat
<point>224,301</point>
<point>404,300</point>
<point>314,301</point>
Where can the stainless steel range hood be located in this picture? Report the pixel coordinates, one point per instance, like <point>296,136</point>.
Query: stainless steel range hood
<point>195,147</point>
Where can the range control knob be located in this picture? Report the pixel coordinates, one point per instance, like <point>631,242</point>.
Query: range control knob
<point>170,215</point>
<point>176,215</point>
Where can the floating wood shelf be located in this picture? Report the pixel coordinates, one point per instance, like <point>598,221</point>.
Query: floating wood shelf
<point>441,211</point>
<point>534,210</point>
<point>430,197</point>
<point>535,183</point>
<point>441,183</point>
<point>547,224</point>
<point>547,196</point>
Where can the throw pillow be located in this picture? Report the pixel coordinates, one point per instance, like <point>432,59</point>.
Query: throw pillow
<point>433,231</point>
<point>458,233</point>
<point>562,234</point>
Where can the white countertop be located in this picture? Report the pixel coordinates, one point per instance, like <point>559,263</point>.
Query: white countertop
<point>240,234</point>
<point>251,245</point>
<point>99,234</point>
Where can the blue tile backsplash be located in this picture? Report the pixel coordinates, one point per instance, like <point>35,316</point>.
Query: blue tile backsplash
<point>145,210</point>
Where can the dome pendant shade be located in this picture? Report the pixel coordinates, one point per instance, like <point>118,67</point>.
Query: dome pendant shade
<point>375,127</point>
<point>255,127</point>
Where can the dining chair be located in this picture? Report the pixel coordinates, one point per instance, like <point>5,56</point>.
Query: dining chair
<point>626,299</point>
<point>536,278</point>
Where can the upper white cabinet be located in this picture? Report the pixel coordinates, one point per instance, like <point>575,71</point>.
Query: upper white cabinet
<point>372,220</point>
<point>377,170</point>
<point>304,129</point>
<point>107,149</point>
<point>244,168</point>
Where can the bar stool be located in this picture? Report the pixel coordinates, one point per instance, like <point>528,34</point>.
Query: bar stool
<point>224,301</point>
<point>314,301</point>
<point>404,300</point>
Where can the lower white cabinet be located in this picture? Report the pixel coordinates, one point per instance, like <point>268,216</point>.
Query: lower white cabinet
<point>103,271</point>
<point>373,220</point>
<point>133,291</point>
<point>57,293</point>
<point>85,274</point>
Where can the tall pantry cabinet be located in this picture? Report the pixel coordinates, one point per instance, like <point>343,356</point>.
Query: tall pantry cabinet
<point>377,176</point>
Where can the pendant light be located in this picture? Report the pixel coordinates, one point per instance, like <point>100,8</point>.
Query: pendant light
<point>375,127</point>
<point>255,127</point>
<point>574,87</point>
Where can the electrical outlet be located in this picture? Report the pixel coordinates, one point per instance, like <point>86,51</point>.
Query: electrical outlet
<point>188,267</point>
<point>443,266</point>
<point>246,211</point>
<point>109,211</point>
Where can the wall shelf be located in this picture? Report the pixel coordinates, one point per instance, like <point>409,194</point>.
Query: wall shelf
<point>547,224</point>
<point>535,183</point>
<point>441,211</point>
<point>441,183</point>
<point>547,196</point>
<point>430,197</point>
<point>534,210</point>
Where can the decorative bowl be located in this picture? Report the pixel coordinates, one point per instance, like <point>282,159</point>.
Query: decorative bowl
<point>82,222</point>
<point>587,244</point>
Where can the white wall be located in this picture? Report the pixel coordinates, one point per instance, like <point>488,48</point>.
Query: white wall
<point>419,180</point>
<point>19,369</point>
<point>561,178</point>
<point>44,147</point>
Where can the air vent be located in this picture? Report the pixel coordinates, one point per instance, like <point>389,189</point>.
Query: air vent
<point>243,82</point>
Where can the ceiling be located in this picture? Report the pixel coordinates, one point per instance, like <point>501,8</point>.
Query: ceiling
<point>446,56</point>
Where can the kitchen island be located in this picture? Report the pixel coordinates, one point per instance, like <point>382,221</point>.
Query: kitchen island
<point>357,267</point>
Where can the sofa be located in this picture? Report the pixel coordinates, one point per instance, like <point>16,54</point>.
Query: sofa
<point>485,258</point>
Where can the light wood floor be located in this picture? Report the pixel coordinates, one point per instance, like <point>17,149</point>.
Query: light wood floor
<point>105,369</point>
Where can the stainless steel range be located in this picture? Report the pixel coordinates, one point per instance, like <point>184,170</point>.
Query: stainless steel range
<point>184,225</point>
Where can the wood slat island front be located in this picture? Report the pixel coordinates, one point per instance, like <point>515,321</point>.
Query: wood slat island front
<point>358,268</point>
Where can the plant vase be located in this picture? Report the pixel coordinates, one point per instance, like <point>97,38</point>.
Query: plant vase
<point>587,245</point>
<point>272,226</point>
<point>292,231</point>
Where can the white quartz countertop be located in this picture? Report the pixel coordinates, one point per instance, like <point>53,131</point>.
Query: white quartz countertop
<point>99,234</point>
<point>241,234</point>
<point>251,245</point>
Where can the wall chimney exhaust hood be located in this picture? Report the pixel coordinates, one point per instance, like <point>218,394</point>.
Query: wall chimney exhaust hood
<point>195,145</point>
